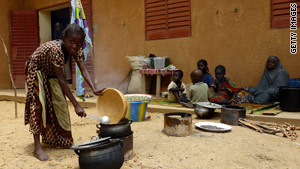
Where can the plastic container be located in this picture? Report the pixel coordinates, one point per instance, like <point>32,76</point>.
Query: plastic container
<point>294,82</point>
<point>137,106</point>
<point>159,62</point>
<point>136,110</point>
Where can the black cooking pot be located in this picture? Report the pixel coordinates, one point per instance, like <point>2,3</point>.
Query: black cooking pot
<point>289,98</point>
<point>108,155</point>
<point>118,130</point>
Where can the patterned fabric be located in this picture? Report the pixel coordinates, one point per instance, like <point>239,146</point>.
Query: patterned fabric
<point>44,59</point>
<point>252,108</point>
<point>164,102</point>
<point>223,91</point>
<point>152,72</point>
<point>78,17</point>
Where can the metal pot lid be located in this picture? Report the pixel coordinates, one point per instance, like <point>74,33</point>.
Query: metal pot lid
<point>91,143</point>
<point>211,126</point>
<point>209,105</point>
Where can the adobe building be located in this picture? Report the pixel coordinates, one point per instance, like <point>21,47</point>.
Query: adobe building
<point>240,35</point>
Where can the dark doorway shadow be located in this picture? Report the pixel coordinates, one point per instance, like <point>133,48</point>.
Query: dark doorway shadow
<point>60,16</point>
<point>59,21</point>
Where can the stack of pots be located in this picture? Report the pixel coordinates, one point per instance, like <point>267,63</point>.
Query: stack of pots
<point>121,131</point>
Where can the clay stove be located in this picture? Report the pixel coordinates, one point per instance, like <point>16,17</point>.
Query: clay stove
<point>178,124</point>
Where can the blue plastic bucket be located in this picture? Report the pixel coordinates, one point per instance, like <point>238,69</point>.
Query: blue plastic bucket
<point>136,110</point>
<point>294,82</point>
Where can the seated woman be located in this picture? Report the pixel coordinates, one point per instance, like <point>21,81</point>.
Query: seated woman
<point>267,90</point>
<point>207,77</point>
<point>224,89</point>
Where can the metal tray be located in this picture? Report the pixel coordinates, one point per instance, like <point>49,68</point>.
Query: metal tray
<point>215,127</point>
<point>209,105</point>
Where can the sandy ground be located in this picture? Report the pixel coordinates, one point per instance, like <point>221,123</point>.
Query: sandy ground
<point>240,148</point>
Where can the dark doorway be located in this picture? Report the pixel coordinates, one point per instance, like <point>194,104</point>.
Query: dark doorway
<point>60,16</point>
<point>59,21</point>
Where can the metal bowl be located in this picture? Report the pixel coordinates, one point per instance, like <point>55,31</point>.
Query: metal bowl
<point>205,110</point>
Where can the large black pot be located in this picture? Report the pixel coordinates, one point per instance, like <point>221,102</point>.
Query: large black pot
<point>127,146</point>
<point>118,130</point>
<point>107,155</point>
<point>289,98</point>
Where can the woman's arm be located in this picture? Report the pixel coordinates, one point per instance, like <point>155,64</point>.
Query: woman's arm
<point>66,90</point>
<point>86,76</point>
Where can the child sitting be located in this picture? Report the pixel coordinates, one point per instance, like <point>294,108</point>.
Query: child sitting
<point>225,90</point>
<point>199,91</point>
<point>207,77</point>
<point>177,89</point>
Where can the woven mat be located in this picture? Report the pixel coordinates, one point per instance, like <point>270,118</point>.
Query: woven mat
<point>270,111</point>
<point>258,109</point>
<point>261,109</point>
<point>164,102</point>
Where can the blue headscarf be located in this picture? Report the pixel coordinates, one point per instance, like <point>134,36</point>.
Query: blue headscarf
<point>267,89</point>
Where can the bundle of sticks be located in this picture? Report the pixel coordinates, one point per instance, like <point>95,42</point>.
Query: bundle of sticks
<point>284,130</point>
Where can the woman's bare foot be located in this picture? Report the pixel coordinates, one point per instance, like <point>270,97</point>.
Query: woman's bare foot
<point>38,151</point>
<point>40,154</point>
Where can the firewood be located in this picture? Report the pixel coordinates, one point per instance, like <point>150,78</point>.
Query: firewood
<point>284,130</point>
<point>248,124</point>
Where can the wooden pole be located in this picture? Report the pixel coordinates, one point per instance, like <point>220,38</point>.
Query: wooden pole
<point>10,74</point>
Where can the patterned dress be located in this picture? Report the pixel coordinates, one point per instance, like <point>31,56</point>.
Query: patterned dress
<point>46,109</point>
<point>223,91</point>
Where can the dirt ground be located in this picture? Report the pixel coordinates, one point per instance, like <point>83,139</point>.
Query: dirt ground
<point>240,148</point>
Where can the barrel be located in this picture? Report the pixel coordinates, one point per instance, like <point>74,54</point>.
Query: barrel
<point>289,98</point>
